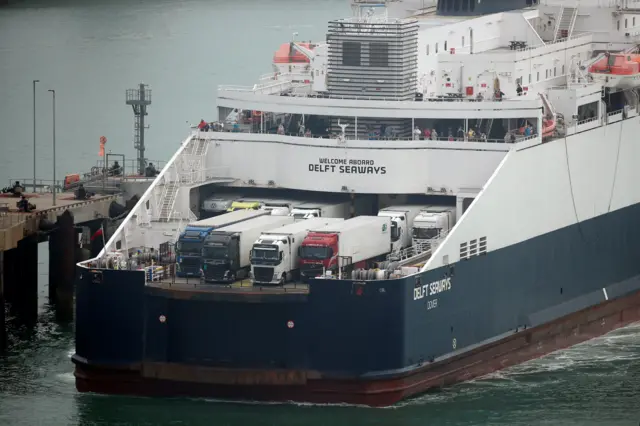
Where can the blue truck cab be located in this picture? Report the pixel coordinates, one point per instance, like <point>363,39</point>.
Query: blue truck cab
<point>191,240</point>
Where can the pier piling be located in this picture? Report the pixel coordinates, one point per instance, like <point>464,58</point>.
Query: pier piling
<point>62,247</point>
<point>3,322</point>
<point>25,304</point>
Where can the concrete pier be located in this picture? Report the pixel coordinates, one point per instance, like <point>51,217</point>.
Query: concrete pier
<point>20,234</point>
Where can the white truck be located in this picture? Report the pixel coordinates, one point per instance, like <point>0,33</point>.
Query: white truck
<point>274,257</point>
<point>226,251</point>
<point>433,223</point>
<point>357,241</point>
<point>402,218</point>
<point>218,204</point>
<point>309,210</point>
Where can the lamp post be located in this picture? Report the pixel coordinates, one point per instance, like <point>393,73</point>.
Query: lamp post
<point>54,145</point>
<point>34,134</point>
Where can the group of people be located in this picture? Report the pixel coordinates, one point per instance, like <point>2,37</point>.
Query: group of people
<point>203,126</point>
<point>474,134</point>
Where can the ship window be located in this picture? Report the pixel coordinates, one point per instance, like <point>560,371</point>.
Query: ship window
<point>456,5</point>
<point>351,52</point>
<point>379,54</point>
<point>538,76</point>
<point>563,70</point>
<point>625,22</point>
<point>449,5</point>
<point>554,71</point>
<point>618,25</point>
<point>436,47</point>
<point>427,49</point>
<point>445,46</point>
<point>529,78</point>
<point>633,22</point>
<point>546,73</point>
<point>473,5</point>
<point>465,5</point>
<point>462,41</point>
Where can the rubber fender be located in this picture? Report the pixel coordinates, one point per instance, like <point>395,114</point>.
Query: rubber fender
<point>116,209</point>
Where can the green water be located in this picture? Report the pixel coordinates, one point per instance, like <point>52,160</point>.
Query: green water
<point>90,52</point>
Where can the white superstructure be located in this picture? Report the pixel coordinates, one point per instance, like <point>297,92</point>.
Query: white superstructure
<point>521,128</point>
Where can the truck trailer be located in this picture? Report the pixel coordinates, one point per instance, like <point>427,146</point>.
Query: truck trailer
<point>226,251</point>
<point>274,257</point>
<point>358,241</point>
<point>190,241</point>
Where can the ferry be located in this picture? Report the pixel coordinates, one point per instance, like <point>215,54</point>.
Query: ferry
<point>478,163</point>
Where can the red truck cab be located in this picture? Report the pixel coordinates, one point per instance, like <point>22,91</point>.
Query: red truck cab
<point>318,253</point>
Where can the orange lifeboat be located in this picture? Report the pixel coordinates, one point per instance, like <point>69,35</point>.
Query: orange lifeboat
<point>617,64</point>
<point>621,70</point>
<point>286,54</point>
<point>548,127</point>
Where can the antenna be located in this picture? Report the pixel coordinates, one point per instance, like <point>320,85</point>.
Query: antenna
<point>139,99</point>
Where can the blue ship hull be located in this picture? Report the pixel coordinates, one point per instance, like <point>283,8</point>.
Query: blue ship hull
<point>373,342</point>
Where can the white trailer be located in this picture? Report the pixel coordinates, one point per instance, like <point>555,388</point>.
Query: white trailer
<point>274,258</point>
<point>227,219</point>
<point>226,251</point>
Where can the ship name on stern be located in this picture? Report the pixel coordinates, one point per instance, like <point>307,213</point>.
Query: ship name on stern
<point>427,290</point>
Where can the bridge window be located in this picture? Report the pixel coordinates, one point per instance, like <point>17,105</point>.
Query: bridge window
<point>351,53</point>
<point>379,54</point>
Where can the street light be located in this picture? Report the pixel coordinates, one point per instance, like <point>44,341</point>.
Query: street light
<point>34,134</point>
<point>54,145</point>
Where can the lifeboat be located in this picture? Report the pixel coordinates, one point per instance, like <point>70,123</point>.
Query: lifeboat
<point>287,54</point>
<point>621,70</point>
<point>548,127</point>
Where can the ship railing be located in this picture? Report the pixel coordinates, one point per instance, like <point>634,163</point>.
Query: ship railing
<point>363,137</point>
<point>417,251</point>
<point>615,116</point>
<point>41,185</point>
<point>560,40</point>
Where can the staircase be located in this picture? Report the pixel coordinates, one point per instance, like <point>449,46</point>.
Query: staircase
<point>566,22</point>
<point>167,201</point>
